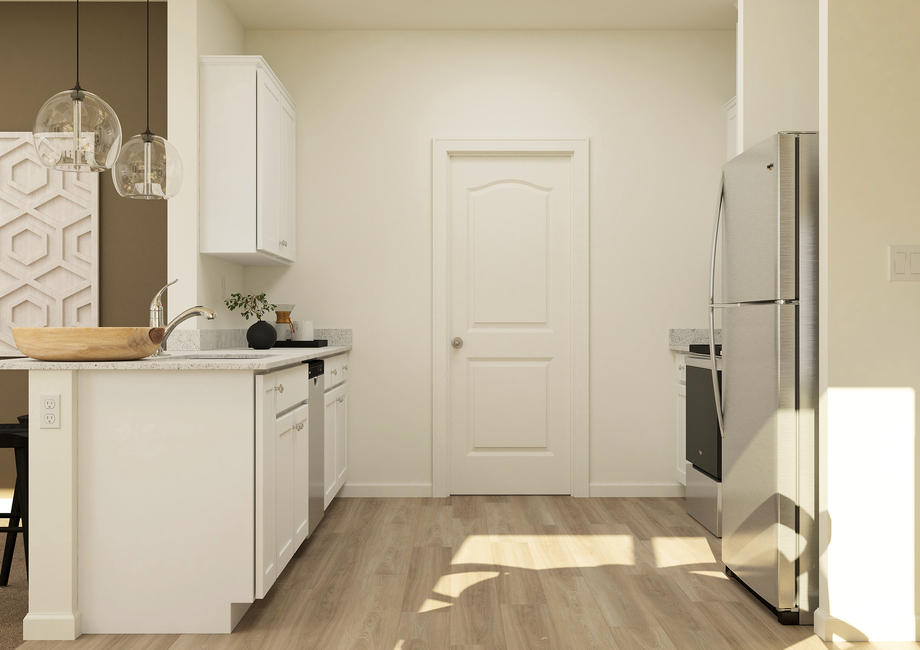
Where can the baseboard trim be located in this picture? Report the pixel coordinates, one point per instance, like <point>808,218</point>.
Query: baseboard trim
<point>637,490</point>
<point>880,629</point>
<point>385,490</point>
<point>52,627</point>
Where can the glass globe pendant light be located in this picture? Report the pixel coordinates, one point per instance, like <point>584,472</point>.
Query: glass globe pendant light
<point>148,167</point>
<point>76,131</point>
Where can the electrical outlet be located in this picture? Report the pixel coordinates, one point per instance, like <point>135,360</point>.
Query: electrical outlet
<point>51,412</point>
<point>904,263</point>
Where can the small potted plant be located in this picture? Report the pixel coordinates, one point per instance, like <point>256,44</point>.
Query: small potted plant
<point>261,335</point>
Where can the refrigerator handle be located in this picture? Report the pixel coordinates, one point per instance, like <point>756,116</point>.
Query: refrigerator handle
<point>712,308</point>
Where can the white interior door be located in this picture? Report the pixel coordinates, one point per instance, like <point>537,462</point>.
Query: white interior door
<point>510,219</point>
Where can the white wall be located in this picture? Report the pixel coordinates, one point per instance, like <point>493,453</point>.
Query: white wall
<point>778,75</point>
<point>369,104</point>
<point>870,163</point>
<point>219,32</point>
<point>196,27</point>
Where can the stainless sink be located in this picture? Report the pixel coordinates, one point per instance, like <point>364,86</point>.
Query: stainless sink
<point>233,355</point>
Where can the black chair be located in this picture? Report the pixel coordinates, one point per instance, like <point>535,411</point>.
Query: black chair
<point>16,437</point>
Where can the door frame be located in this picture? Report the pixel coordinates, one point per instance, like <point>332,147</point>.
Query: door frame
<point>442,152</point>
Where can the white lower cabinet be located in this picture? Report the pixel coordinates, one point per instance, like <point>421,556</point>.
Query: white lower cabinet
<point>281,472</point>
<point>680,472</point>
<point>336,441</point>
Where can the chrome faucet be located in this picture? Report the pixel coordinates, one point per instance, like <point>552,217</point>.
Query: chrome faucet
<point>191,312</point>
<point>156,308</point>
<point>157,319</point>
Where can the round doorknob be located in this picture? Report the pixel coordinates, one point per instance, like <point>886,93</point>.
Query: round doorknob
<point>457,342</point>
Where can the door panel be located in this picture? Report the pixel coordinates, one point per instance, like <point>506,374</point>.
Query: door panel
<point>301,473</point>
<point>759,223</point>
<point>508,404</point>
<point>510,268</point>
<point>508,273</point>
<point>268,178</point>
<point>341,437</point>
<point>329,448</point>
<point>266,555</point>
<point>288,181</point>
<point>759,451</point>
<point>284,489</point>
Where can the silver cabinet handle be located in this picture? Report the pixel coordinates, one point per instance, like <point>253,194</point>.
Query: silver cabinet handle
<point>334,371</point>
<point>457,342</point>
<point>280,388</point>
<point>345,367</point>
<point>680,367</point>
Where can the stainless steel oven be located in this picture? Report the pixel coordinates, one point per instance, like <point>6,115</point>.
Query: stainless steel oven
<point>704,445</point>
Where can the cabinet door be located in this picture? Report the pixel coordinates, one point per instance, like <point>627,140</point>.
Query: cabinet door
<point>284,489</point>
<point>268,163</point>
<point>681,463</point>
<point>341,437</point>
<point>266,553</point>
<point>329,447</point>
<point>301,474</point>
<point>288,181</point>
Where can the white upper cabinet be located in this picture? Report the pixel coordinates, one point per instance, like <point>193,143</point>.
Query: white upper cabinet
<point>247,123</point>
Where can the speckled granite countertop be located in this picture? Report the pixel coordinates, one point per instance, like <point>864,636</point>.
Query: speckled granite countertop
<point>246,359</point>
<point>680,340</point>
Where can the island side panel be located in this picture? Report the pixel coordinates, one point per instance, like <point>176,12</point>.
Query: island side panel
<point>166,478</point>
<point>53,475</point>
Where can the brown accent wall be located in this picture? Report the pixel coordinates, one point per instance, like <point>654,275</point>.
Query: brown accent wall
<point>37,60</point>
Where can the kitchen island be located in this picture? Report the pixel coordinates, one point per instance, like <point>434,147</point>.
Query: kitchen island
<point>152,500</point>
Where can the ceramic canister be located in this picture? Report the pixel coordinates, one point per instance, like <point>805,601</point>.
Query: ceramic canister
<point>303,330</point>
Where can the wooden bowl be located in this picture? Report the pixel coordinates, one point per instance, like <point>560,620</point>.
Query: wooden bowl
<point>88,343</point>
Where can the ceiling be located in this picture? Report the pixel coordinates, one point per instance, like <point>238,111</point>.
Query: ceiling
<point>487,14</point>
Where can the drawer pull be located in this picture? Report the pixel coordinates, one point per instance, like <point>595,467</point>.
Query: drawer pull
<point>283,243</point>
<point>345,367</point>
<point>334,371</point>
<point>280,388</point>
<point>680,367</point>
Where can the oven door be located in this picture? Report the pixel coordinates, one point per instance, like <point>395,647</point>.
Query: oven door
<point>704,443</point>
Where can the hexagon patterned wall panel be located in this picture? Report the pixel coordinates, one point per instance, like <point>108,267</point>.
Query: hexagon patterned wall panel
<point>49,232</point>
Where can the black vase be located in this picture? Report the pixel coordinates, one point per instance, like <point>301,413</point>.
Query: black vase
<point>261,335</point>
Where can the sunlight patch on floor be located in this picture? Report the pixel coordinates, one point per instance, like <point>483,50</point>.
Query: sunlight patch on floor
<point>719,575</point>
<point>543,552</point>
<point>449,588</point>
<point>681,551</point>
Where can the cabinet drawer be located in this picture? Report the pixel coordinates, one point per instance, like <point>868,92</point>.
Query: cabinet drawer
<point>335,370</point>
<point>681,366</point>
<point>292,387</point>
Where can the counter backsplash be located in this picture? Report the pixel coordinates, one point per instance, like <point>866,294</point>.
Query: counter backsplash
<point>681,339</point>
<point>236,338</point>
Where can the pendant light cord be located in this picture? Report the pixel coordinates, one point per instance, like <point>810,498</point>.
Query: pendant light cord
<point>148,66</point>
<point>77,87</point>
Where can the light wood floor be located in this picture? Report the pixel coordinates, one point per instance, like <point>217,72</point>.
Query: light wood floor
<point>501,573</point>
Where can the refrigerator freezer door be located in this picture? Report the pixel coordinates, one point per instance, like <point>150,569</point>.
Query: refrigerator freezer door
<point>759,451</point>
<point>759,223</point>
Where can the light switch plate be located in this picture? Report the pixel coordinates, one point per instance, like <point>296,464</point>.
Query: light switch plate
<point>904,263</point>
<point>50,412</point>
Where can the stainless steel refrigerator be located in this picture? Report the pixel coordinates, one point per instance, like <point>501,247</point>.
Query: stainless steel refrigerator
<point>769,245</point>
